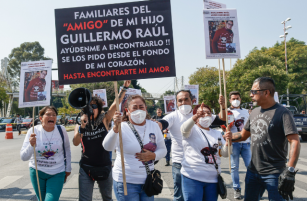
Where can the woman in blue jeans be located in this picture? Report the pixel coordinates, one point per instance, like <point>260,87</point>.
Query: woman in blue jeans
<point>198,172</point>
<point>135,117</point>
<point>51,167</point>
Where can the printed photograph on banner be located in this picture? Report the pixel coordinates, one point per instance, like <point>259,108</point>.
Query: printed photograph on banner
<point>56,88</point>
<point>35,83</point>
<point>208,4</point>
<point>221,34</point>
<point>112,42</point>
<point>102,94</point>
<point>194,90</point>
<point>169,104</point>
<point>129,92</point>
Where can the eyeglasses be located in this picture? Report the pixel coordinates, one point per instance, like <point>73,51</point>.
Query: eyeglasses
<point>230,24</point>
<point>256,91</point>
<point>94,106</point>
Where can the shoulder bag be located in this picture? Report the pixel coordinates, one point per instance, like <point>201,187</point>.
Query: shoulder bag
<point>153,184</point>
<point>221,187</point>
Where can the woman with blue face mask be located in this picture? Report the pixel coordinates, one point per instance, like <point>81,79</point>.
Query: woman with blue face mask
<point>135,117</point>
<point>198,173</point>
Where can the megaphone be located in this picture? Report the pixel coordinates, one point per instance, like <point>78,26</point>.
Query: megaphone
<point>80,98</point>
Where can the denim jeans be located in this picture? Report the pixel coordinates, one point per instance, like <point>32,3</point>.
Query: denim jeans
<point>50,185</point>
<point>255,183</point>
<point>238,149</point>
<point>135,192</point>
<point>86,187</point>
<point>177,182</point>
<point>168,144</point>
<point>194,190</point>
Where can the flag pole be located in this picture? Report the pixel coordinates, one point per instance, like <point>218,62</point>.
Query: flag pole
<point>38,186</point>
<point>220,82</point>
<point>225,96</point>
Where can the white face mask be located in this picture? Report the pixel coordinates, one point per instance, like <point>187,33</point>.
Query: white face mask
<point>185,109</point>
<point>138,116</point>
<point>235,103</point>
<point>205,122</point>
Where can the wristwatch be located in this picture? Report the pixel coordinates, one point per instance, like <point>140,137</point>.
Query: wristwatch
<point>291,169</point>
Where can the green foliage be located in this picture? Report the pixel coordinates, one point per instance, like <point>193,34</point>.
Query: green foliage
<point>208,80</point>
<point>297,62</point>
<point>27,51</point>
<point>4,98</point>
<point>256,64</point>
<point>67,109</point>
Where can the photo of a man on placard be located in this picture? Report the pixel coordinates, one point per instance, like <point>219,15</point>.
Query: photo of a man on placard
<point>36,85</point>
<point>221,36</point>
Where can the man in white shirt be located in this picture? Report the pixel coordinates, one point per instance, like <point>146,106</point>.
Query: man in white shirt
<point>239,148</point>
<point>173,122</point>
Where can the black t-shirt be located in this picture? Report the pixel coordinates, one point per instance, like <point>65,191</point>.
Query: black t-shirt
<point>269,144</point>
<point>93,153</point>
<point>156,117</point>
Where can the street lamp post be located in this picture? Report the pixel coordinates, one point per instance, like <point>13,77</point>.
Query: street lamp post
<point>285,37</point>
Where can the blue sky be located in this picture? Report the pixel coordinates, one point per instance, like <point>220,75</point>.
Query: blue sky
<point>259,25</point>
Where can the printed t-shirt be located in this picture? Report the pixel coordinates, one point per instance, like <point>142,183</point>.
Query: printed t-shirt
<point>49,150</point>
<point>93,153</point>
<point>269,144</point>
<point>198,163</point>
<point>36,85</point>
<point>240,116</point>
<point>221,37</point>
<point>135,169</point>
<point>175,120</point>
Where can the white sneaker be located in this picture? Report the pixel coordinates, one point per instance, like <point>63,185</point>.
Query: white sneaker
<point>237,193</point>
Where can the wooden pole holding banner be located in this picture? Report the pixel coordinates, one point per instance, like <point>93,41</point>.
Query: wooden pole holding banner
<point>225,96</point>
<point>120,140</point>
<point>220,81</point>
<point>38,186</point>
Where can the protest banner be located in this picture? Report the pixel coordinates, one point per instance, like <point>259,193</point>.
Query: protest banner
<point>56,87</point>
<point>221,34</point>
<point>194,90</point>
<point>169,104</point>
<point>208,4</point>
<point>115,42</point>
<point>129,92</point>
<point>35,83</point>
<point>102,94</point>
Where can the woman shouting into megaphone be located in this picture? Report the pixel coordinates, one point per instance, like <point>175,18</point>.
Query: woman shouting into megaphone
<point>95,163</point>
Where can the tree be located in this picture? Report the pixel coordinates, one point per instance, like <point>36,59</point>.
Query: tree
<point>28,51</point>
<point>297,62</point>
<point>208,80</point>
<point>256,64</point>
<point>67,109</point>
<point>4,98</point>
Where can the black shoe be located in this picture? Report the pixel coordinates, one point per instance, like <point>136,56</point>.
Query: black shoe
<point>167,163</point>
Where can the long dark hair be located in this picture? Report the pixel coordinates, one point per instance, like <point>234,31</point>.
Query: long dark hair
<point>130,98</point>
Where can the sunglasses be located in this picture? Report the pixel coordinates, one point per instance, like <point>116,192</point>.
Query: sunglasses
<point>256,91</point>
<point>94,106</point>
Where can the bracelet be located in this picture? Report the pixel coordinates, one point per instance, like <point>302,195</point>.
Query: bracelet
<point>125,87</point>
<point>81,130</point>
<point>223,109</point>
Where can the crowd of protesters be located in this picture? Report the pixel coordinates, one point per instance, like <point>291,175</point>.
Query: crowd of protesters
<point>186,138</point>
